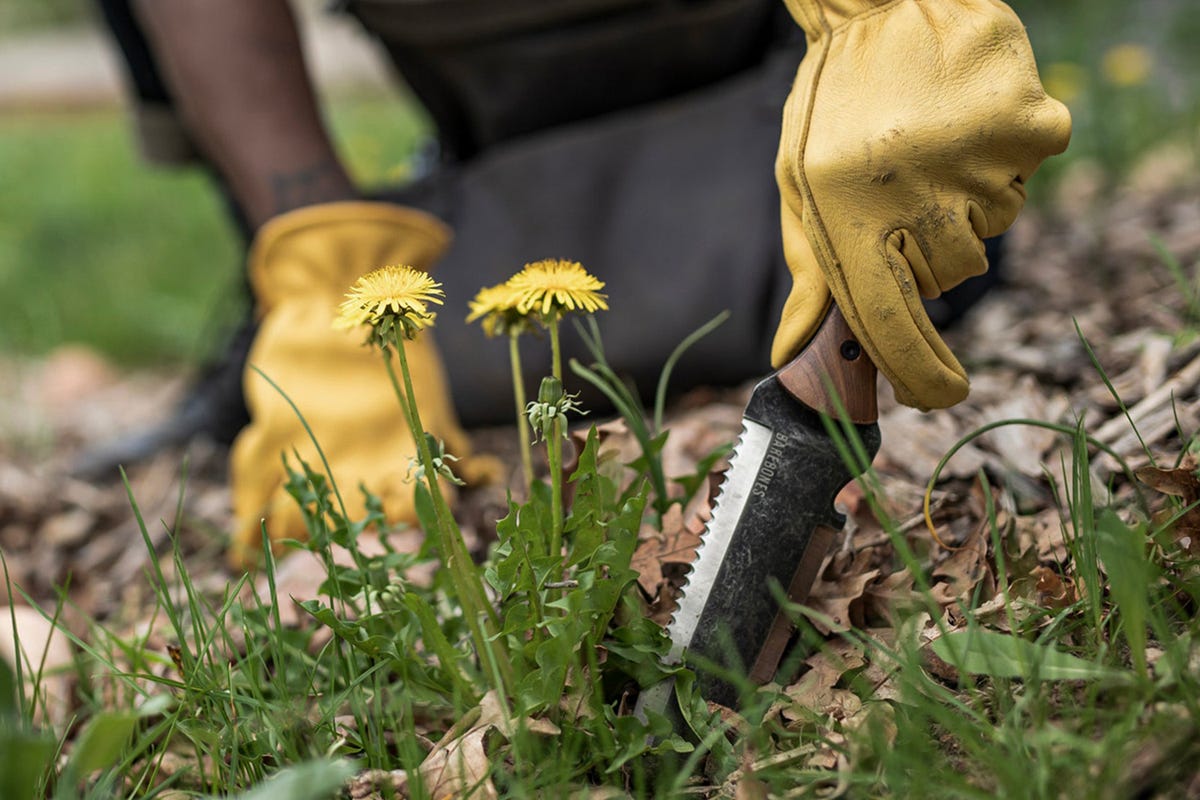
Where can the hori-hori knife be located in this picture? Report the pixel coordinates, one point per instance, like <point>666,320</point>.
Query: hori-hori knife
<point>773,520</point>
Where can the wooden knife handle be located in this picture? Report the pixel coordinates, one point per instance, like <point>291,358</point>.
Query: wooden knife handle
<point>833,361</point>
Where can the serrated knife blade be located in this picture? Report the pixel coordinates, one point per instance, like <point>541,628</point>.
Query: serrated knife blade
<point>773,519</point>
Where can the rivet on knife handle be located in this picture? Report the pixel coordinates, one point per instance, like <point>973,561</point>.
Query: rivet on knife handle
<point>773,520</point>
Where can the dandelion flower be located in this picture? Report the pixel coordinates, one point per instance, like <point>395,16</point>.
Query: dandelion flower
<point>1127,65</point>
<point>497,306</point>
<point>556,285</point>
<point>392,295</point>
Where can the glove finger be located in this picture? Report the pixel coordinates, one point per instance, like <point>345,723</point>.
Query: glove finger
<point>996,177</point>
<point>882,304</point>
<point>1039,128</point>
<point>957,250</point>
<point>808,299</point>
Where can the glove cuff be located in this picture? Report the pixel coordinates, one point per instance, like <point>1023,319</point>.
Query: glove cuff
<point>325,248</point>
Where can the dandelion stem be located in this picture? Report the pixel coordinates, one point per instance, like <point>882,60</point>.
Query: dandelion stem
<point>518,381</point>
<point>554,456</point>
<point>467,584</point>
<point>554,447</point>
<point>555,346</point>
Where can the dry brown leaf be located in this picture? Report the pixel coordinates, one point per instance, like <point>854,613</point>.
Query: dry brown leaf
<point>915,442</point>
<point>1050,532</point>
<point>883,597</point>
<point>965,569</point>
<point>1022,447</point>
<point>1053,590</point>
<point>461,769</point>
<point>459,765</point>
<point>675,545</point>
<point>882,680</point>
<point>881,717</point>
<point>1181,482</point>
<point>378,784</point>
<point>749,788</point>
<point>828,756</point>
<point>813,692</point>
<point>840,600</point>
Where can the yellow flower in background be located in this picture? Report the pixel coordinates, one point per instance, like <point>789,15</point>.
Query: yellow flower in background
<point>557,285</point>
<point>1064,80</point>
<point>394,294</point>
<point>1127,65</point>
<point>497,306</point>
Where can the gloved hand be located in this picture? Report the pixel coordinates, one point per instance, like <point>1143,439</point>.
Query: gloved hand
<point>301,266</point>
<point>908,137</point>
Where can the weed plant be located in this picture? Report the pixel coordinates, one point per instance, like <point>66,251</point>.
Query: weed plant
<point>391,687</point>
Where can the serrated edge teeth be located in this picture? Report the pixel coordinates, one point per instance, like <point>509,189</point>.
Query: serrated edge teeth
<point>736,487</point>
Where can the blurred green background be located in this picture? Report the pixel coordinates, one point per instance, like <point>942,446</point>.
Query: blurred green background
<point>139,262</point>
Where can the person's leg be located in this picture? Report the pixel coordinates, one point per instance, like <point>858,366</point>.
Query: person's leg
<point>673,205</point>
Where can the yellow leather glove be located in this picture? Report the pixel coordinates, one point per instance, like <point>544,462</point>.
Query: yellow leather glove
<point>301,266</point>
<point>908,136</point>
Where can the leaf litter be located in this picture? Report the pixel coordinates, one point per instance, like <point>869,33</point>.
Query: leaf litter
<point>1084,281</point>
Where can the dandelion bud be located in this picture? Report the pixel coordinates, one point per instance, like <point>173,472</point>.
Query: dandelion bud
<point>552,406</point>
<point>551,391</point>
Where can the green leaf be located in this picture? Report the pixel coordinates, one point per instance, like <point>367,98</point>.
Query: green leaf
<point>313,780</point>
<point>353,633</point>
<point>1000,655</point>
<point>106,736</point>
<point>448,658</point>
<point>1130,574</point>
<point>585,527</point>
<point>426,512</point>
<point>24,758</point>
<point>102,742</point>
<point>638,649</point>
<point>8,686</point>
<point>542,687</point>
<point>24,755</point>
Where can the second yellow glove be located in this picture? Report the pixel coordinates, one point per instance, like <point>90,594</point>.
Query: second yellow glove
<point>301,265</point>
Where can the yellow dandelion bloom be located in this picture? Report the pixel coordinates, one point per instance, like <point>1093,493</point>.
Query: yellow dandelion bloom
<point>1127,65</point>
<point>491,300</point>
<point>399,293</point>
<point>556,285</point>
<point>497,307</point>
